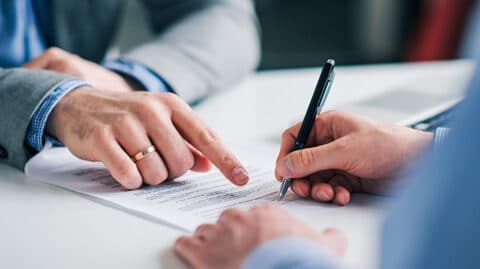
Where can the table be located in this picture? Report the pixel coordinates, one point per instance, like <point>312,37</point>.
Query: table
<point>42,226</point>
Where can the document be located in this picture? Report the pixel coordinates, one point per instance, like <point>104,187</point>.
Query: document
<point>186,202</point>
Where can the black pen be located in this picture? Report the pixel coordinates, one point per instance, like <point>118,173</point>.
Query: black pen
<point>316,104</point>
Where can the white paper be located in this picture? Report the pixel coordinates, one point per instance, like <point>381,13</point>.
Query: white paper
<point>186,202</point>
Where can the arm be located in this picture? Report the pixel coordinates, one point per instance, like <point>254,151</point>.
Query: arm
<point>348,153</point>
<point>434,224</point>
<point>196,49</point>
<point>200,63</point>
<point>201,46</point>
<point>265,236</point>
<point>21,92</point>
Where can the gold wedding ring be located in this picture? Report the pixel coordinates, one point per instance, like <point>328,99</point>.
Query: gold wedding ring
<point>142,154</point>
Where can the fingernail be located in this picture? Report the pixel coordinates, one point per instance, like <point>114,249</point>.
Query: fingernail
<point>134,184</point>
<point>323,196</point>
<point>343,199</point>
<point>240,175</point>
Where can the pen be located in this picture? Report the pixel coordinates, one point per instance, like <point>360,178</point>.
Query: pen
<point>316,104</point>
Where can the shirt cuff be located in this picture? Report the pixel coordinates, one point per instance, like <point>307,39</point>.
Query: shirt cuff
<point>36,128</point>
<point>149,80</point>
<point>441,135</point>
<point>289,252</point>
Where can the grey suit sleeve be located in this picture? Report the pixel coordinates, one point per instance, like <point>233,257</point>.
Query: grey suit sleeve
<point>21,91</point>
<point>202,46</point>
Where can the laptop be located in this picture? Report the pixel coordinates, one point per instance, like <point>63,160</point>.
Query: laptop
<point>416,104</point>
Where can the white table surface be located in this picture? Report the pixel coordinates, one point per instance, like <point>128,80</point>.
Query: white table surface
<point>42,226</point>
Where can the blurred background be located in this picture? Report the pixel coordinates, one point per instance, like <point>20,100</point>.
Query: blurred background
<point>304,33</point>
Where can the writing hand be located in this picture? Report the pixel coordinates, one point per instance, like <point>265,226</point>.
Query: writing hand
<point>345,154</point>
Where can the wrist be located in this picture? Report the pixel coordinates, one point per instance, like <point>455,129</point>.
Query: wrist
<point>416,142</point>
<point>36,132</point>
<point>424,138</point>
<point>56,121</point>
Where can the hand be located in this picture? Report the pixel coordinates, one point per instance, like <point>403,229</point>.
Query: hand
<point>227,243</point>
<point>346,154</point>
<point>111,127</point>
<point>58,60</point>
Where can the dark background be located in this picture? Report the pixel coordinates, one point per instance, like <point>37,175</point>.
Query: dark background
<point>303,33</point>
<point>306,32</point>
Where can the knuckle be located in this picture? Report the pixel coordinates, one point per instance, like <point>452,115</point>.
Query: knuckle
<point>146,107</point>
<point>65,66</point>
<point>207,137</point>
<point>181,242</point>
<point>333,113</point>
<point>54,52</point>
<point>304,159</point>
<point>203,227</point>
<point>125,121</point>
<point>102,134</point>
<point>174,103</point>
<point>232,214</point>
<point>339,115</point>
<point>181,165</point>
<point>169,97</point>
<point>238,216</point>
<point>149,103</point>
<point>342,144</point>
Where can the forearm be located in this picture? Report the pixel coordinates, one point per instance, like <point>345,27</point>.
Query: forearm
<point>21,92</point>
<point>196,51</point>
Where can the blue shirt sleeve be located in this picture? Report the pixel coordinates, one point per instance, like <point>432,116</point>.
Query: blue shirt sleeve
<point>434,222</point>
<point>440,136</point>
<point>146,77</point>
<point>35,133</point>
<point>289,252</point>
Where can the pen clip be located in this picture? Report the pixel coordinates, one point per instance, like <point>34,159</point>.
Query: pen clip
<point>327,90</point>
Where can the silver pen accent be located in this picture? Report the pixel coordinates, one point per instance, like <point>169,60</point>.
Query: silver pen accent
<point>284,188</point>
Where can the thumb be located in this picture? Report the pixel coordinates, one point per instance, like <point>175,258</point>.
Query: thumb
<point>302,163</point>
<point>45,59</point>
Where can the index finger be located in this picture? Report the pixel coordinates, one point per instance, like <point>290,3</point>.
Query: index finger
<point>196,132</point>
